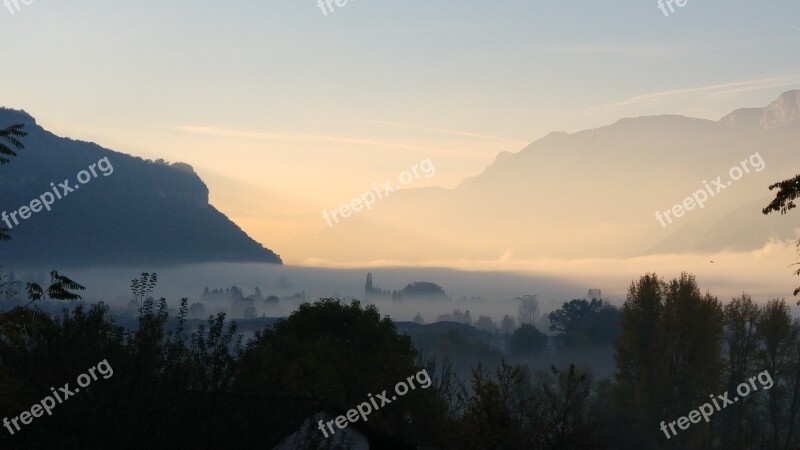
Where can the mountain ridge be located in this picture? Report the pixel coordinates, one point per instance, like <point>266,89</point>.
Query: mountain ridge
<point>594,193</point>
<point>143,212</point>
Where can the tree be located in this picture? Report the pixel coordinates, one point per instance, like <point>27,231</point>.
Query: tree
<point>511,411</point>
<point>526,340</point>
<point>340,352</point>
<point>562,420</point>
<point>694,342</point>
<point>667,354</point>
<point>197,311</point>
<point>143,287</point>
<point>495,413</point>
<point>778,335</point>
<point>422,289</point>
<point>788,191</point>
<point>486,323</point>
<point>9,143</point>
<point>8,137</point>
<point>7,282</point>
<point>336,341</point>
<point>508,325</point>
<point>741,318</point>
<point>60,289</point>
<point>460,317</point>
<point>528,309</point>
<point>583,322</point>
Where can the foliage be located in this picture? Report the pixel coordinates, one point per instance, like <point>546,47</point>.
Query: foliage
<point>668,354</point>
<point>508,325</point>
<point>485,323</point>
<point>142,287</point>
<point>510,410</point>
<point>526,340</point>
<point>60,288</point>
<point>788,191</point>
<point>582,322</point>
<point>676,347</point>
<point>528,309</point>
<point>423,289</point>
<point>9,142</point>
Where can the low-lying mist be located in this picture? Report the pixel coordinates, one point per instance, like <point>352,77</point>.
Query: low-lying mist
<point>482,293</point>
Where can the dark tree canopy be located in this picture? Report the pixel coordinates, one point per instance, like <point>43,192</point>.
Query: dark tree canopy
<point>9,142</point>
<point>788,191</point>
<point>8,136</point>
<point>583,322</point>
<point>423,289</point>
<point>527,339</point>
<point>337,341</point>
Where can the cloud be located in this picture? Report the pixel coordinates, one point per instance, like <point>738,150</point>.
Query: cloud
<point>453,132</point>
<point>617,49</point>
<point>716,89</point>
<point>273,136</point>
<point>679,101</point>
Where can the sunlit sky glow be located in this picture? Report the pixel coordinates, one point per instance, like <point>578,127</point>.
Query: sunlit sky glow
<point>284,111</point>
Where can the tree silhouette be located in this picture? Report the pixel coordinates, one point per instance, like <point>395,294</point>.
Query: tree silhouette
<point>143,287</point>
<point>788,191</point>
<point>8,137</point>
<point>59,289</point>
<point>9,142</point>
<point>526,340</point>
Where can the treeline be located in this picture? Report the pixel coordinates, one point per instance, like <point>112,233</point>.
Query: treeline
<point>675,348</point>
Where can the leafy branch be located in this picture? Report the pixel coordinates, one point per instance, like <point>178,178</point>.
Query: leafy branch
<point>60,289</point>
<point>9,142</point>
<point>143,287</point>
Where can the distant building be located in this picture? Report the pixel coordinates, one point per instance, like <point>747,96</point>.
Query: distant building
<point>594,294</point>
<point>373,293</point>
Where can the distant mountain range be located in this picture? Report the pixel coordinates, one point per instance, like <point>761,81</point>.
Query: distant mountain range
<point>143,213</point>
<point>590,194</point>
<point>595,194</point>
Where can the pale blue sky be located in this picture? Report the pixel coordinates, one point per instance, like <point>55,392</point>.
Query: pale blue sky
<point>262,97</point>
<point>498,68</point>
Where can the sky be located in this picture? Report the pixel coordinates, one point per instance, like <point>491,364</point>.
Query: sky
<point>284,110</point>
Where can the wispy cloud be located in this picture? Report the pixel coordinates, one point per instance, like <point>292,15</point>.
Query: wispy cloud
<point>444,131</point>
<point>273,136</point>
<point>617,49</point>
<point>715,89</point>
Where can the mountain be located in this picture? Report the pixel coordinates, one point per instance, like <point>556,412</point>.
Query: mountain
<point>595,193</point>
<point>115,209</point>
<point>785,111</point>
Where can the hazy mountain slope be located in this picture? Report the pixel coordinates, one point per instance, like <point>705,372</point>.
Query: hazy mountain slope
<point>143,213</point>
<point>595,193</point>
